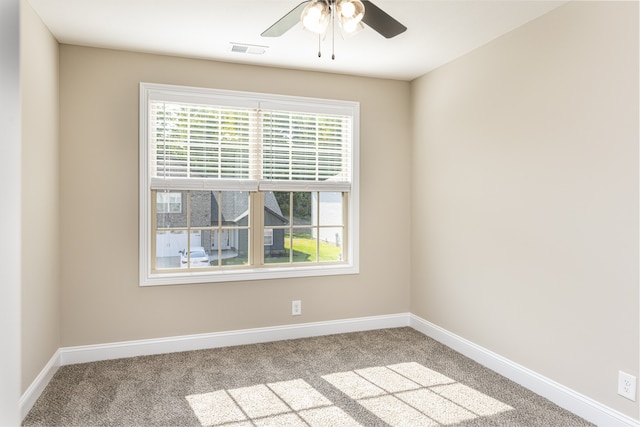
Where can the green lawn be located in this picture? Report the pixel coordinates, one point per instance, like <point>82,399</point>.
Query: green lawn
<point>305,250</point>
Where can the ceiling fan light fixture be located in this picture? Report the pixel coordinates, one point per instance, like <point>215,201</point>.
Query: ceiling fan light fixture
<point>316,16</point>
<point>346,8</point>
<point>374,18</point>
<point>350,12</point>
<point>349,30</point>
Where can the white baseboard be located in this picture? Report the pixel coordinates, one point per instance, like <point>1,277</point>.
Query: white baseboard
<point>92,353</point>
<point>580,405</point>
<point>31,394</point>
<point>562,396</point>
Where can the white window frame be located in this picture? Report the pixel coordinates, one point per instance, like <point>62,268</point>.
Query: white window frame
<point>271,271</point>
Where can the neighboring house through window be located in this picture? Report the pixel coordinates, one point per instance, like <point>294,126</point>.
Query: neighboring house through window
<point>265,184</point>
<point>168,202</point>
<point>268,237</point>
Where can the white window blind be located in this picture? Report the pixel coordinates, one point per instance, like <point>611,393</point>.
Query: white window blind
<point>305,150</point>
<point>230,147</point>
<point>197,146</point>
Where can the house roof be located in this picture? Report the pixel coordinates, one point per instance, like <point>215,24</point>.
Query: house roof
<point>235,206</point>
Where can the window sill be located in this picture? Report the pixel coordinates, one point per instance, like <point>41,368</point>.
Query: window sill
<point>237,275</point>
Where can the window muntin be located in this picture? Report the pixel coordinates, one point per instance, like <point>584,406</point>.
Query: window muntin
<point>212,149</point>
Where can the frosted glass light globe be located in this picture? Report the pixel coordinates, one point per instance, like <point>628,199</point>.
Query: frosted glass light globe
<point>347,9</point>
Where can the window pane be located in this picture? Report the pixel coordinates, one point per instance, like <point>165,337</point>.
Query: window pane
<point>303,203</point>
<point>195,239</point>
<point>274,243</point>
<point>273,212</point>
<point>168,202</point>
<point>168,247</point>
<point>233,206</point>
<point>169,212</point>
<point>215,241</point>
<point>197,256</point>
<point>200,208</point>
<point>331,244</point>
<point>278,252</point>
<point>229,208</point>
<point>331,208</point>
<point>216,198</point>
<point>268,237</point>
<point>283,199</point>
<point>229,237</point>
<point>235,250</point>
<point>304,246</point>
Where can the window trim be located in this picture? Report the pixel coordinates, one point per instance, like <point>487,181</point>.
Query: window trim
<point>302,104</point>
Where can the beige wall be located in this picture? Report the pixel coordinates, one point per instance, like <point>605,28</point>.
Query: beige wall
<point>40,219</point>
<point>101,301</point>
<point>525,197</point>
<point>10,212</point>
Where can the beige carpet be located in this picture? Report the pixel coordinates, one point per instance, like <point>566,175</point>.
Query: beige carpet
<point>391,377</point>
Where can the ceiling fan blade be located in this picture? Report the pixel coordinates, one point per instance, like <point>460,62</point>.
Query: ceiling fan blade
<point>287,22</point>
<point>381,21</point>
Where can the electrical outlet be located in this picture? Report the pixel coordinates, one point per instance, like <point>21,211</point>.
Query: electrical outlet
<point>296,308</point>
<point>627,385</point>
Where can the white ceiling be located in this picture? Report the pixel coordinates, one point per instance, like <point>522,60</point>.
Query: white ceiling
<point>438,31</point>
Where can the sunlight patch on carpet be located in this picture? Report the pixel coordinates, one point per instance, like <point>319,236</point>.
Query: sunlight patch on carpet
<point>215,408</point>
<point>353,385</point>
<point>299,395</point>
<point>395,412</point>
<point>329,416</point>
<point>411,394</point>
<point>258,401</point>
<point>401,395</point>
<point>283,404</point>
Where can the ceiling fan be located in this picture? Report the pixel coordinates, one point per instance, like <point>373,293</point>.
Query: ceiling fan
<point>315,16</point>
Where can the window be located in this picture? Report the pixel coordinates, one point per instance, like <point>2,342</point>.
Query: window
<point>246,186</point>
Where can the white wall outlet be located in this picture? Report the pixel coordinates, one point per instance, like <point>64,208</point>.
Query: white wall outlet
<point>627,385</point>
<point>296,308</point>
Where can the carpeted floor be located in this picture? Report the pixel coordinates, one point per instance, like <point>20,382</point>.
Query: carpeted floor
<point>392,377</point>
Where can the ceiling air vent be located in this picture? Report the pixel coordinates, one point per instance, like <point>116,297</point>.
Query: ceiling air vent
<point>248,48</point>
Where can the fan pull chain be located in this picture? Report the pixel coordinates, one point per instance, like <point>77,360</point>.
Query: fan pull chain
<point>333,35</point>
<point>319,45</point>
